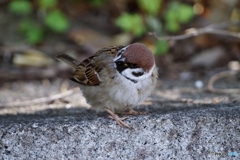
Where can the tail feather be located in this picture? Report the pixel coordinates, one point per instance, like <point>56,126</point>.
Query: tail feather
<point>69,60</point>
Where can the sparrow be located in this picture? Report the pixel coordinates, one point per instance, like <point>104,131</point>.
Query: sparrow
<point>116,78</point>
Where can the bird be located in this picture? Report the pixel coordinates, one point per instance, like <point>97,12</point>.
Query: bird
<point>116,78</point>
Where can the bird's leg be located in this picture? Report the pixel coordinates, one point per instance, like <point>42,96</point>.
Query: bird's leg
<point>130,111</point>
<point>117,119</point>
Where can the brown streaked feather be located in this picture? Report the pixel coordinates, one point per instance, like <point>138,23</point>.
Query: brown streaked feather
<point>112,51</point>
<point>87,73</point>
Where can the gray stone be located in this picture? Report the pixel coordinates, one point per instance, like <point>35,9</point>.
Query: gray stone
<point>205,132</point>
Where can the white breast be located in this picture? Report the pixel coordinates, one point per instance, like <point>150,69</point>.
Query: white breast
<point>127,91</point>
<point>118,93</point>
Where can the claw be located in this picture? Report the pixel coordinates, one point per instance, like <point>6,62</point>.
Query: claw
<point>118,119</point>
<point>130,111</point>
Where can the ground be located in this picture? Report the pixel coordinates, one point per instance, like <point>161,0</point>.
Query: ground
<point>183,121</point>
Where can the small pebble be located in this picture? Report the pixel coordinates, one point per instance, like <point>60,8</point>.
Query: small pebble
<point>198,84</point>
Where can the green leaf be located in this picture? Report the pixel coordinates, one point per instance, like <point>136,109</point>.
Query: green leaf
<point>171,18</point>
<point>161,47</point>
<point>171,15</point>
<point>186,13</point>
<point>131,23</point>
<point>47,3</point>
<point>57,21</point>
<point>22,7</point>
<point>177,14</point>
<point>152,7</point>
<point>33,32</point>
<point>35,35</point>
<point>172,26</point>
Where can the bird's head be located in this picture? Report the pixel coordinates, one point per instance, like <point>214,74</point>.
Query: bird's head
<point>135,62</point>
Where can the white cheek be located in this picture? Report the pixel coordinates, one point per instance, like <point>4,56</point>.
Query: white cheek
<point>128,73</point>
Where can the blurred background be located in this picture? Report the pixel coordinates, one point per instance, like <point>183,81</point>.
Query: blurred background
<point>189,38</point>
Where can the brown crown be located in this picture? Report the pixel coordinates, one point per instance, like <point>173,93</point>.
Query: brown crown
<point>139,54</point>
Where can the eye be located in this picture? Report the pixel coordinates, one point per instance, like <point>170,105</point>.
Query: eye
<point>131,65</point>
<point>120,63</point>
<point>121,66</point>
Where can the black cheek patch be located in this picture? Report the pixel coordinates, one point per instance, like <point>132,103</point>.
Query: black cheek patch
<point>121,66</point>
<point>137,74</point>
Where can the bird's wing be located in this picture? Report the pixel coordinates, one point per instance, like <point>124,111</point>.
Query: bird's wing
<point>85,73</point>
<point>112,51</point>
<point>88,72</point>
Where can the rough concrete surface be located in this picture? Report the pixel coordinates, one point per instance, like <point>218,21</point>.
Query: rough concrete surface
<point>190,129</point>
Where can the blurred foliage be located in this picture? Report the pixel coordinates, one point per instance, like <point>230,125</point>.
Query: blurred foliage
<point>161,47</point>
<point>156,16</point>
<point>47,3</point>
<point>153,18</point>
<point>51,18</point>
<point>32,31</point>
<point>21,7</point>
<point>57,21</point>
<point>151,8</point>
<point>177,14</point>
<point>97,3</point>
<point>132,23</point>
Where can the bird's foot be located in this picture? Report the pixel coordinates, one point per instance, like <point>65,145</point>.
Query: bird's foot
<point>118,119</point>
<point>130,111</point>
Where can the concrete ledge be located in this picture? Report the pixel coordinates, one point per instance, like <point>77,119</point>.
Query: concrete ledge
<point>209,132</point>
